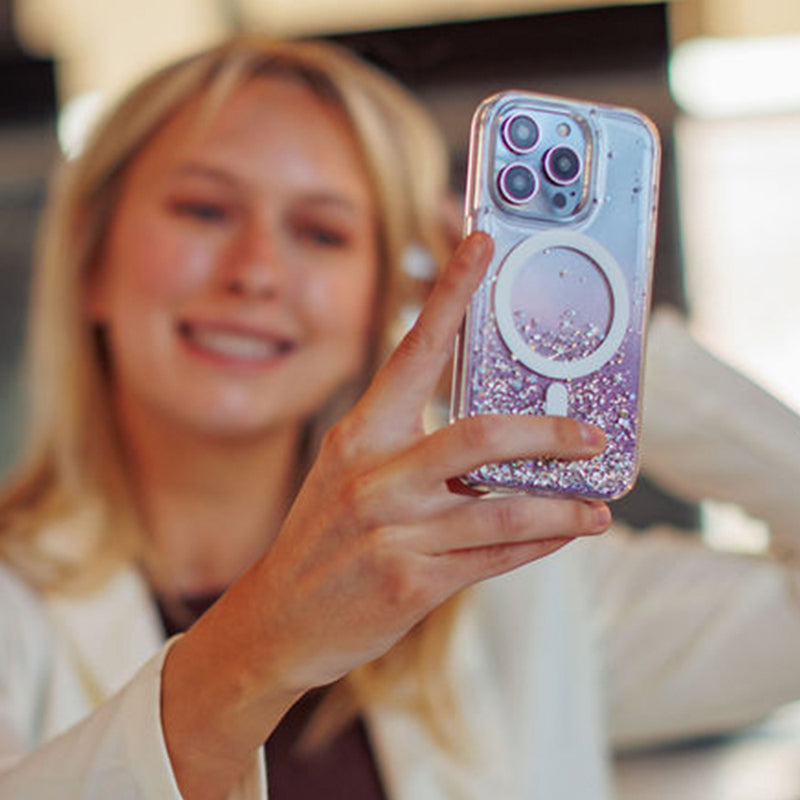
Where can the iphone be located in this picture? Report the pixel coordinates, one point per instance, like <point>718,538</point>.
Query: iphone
<point>568,191</point>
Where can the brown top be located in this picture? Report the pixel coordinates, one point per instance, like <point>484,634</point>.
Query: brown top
<point>344,769</point>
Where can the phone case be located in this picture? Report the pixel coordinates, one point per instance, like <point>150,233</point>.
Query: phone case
<point>568,191</point>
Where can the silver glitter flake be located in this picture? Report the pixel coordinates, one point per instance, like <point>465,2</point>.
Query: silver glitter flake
<point>606,398</point>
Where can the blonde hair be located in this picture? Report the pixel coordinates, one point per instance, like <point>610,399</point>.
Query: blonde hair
<point>67,518</point>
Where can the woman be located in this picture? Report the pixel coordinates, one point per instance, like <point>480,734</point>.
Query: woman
<point>217,284</point>
<point>221,266</point>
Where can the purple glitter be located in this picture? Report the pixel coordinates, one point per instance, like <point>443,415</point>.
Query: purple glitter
<point>607,398</point>
<point>568,342</point>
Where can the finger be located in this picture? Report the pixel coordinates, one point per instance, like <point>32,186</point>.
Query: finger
<point>465,567</point>
<point>405,382</point>
<point>469,443</point>
<point>423,470</point>
<point>507,520</point>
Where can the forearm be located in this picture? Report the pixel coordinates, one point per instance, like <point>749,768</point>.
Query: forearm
<point>694,641</point>
<point>218,702</point>
<point>710,433</point>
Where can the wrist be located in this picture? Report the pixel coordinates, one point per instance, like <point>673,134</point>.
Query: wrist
<point>219,702</point>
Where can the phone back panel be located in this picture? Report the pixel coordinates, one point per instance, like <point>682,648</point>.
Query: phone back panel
<point>557,325</point>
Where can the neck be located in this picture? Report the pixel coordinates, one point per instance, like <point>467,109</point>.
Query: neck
<point>211,505</point>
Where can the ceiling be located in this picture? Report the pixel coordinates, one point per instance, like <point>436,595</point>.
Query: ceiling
<point>102,46</point>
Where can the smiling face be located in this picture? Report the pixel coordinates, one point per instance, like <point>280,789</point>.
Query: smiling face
<point>237,281</point>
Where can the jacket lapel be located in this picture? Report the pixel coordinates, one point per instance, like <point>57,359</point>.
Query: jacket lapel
<point>414,765</point>
<point>109,633</point>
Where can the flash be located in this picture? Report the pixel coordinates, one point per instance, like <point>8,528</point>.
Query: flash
<point>563,129</point>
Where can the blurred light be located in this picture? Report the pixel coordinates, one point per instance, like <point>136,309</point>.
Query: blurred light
<point>76,120</point>
<point>736,77</point>
<point>738,183</point>
<point>726,527</point>
<point>418,263</point>
<point>314,17</point>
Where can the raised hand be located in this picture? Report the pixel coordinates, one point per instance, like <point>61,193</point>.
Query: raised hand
<point>375,539</point>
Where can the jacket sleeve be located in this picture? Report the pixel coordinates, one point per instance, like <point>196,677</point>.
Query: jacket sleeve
<point>693,642</point>
<point>697,641</point>
<point>710,433</point>
<point>118,751</point>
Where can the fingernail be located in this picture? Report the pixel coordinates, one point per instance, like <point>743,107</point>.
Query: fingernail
<point>602,516</point>
<point>481,243</point>
<point>593,436</point>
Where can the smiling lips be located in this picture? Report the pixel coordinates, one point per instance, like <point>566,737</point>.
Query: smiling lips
<point>235,345</point>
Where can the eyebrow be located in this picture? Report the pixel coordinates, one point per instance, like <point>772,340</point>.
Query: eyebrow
<point>220,175</point>
<point>191,169</point>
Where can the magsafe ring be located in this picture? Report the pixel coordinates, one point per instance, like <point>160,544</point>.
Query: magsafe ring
<point>517,260</point>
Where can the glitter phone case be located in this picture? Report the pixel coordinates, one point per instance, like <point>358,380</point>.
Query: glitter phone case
<point>568,190</point>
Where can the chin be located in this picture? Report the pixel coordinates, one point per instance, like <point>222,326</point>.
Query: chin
<point>227,420</point>
<point>250,409</point>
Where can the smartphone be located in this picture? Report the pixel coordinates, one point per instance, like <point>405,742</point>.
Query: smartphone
<point>568,190</point>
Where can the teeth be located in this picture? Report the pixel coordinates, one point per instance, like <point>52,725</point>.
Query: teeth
<point>235,345</point>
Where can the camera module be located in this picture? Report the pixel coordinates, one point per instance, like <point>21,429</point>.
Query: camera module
<point>562,165</point>
<point>517,183</point>
<point>520,133</point>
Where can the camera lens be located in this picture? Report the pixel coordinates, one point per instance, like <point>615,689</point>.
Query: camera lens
<point>520,133</point>
<point>517,183</point>
<point>562,165</point>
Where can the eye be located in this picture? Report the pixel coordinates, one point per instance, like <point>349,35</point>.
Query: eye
<point>201,210</point>
<point>322,235</point>
<point>326,237</point>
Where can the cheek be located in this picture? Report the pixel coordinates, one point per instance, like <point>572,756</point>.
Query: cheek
<point>152,262</point>
<point>344,309</point>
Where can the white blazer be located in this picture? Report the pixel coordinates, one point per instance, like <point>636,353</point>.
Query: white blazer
<point>615,642</point>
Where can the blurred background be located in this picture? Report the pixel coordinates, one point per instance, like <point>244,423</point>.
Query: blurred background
<point>719,78</point>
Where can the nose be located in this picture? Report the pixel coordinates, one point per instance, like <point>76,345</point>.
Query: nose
<point>255,269</point>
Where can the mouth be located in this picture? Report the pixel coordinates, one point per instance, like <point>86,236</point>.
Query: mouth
<point>232,345</point>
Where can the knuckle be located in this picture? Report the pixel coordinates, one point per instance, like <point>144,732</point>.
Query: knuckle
<point>565,431</point>
<point>402,586</point>
<point>418,340</point>
<point>499,558</point>
<point>590,517</point>
<point>578,517</point>
<point>336,442</point>
<point>452,277</point>
<point>468,255</point>
<point>341,443</point>
<point>479,434</point>
<point>508,518</point>
<point>355,499</point>
<point>583,515</point>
